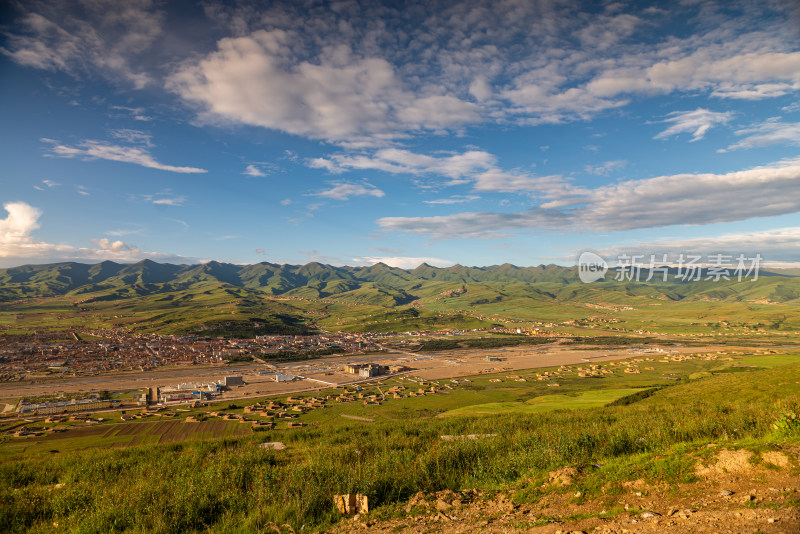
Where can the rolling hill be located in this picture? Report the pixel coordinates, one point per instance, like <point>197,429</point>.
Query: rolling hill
<point>156,296</point>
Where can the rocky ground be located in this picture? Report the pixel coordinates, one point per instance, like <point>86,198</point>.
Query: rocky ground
<point>736,491</point>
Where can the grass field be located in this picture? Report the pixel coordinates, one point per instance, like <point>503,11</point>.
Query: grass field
<point>497,393</point>
<point>232,485</point>
<point>545,403</point>
<point>771,360</point>
<point>123,435</point>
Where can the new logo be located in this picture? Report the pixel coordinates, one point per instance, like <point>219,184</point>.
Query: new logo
<point>591,267</point>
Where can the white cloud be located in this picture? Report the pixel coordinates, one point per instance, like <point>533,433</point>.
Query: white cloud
<point>46,183</point>
<point>402,262</point>
<point>769,132</point>
<point>473,166</point>
<point>22,219</point>
<point>105,35</point>
<point>776,245</point>
<point>91,149</point>
<point>137,114</point>
<point>456,199</point>
<point>264,79</point>
<point>696,122</point>
<point>727,70</point>
<point>498,180</point>
<point>400,161</point>
<point>162,198</point>
<point>114,246</point>
<point>18,246</point>
<point>126,231</point>
<point>606,31</point>
<point>176,201</point>
<point>647,203</point>
<point>136,137</point>
<point>606,168</point>
<point>345,190</point>
<point>372,75</point>
<point>252,170</point>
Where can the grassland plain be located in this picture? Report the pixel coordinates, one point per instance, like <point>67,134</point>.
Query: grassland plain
<point>232,485</point>
<point>520,387</point>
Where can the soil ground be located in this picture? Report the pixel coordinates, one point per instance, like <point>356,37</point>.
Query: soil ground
<point>732,495</point>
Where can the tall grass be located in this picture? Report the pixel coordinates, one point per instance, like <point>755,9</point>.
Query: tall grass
<point>232,484</point>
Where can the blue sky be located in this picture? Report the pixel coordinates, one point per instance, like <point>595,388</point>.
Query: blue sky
<point>349,132</point>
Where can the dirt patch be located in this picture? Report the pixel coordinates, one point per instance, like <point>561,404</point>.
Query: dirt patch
<point>728,462</point>
<point>562,477</point>
<point>775,458</point>
<point>763,503</point>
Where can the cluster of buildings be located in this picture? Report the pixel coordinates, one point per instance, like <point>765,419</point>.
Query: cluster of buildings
<point>27,407</point>
<point>189,392</point>
<point>368,370</point>
<point>96,352</point>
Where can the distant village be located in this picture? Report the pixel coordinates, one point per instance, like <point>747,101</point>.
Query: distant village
<point>186,393</point>
<point>93,353</point>
<point>261,415</point>
<point>97,352</point>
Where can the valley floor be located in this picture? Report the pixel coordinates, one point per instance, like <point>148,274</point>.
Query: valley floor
<point>328,371</point>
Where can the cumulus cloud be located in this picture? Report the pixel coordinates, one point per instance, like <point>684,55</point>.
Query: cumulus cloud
<point>469,63</point>
<point>647,203</point>
<point>114,246</point>
<point>21,220</point>
<point>345,190</point>
<point>475,167</point>
<point>90,150</point>
<point>770,132</point>
<point>18,246</point>
<point>372,74</point>
<point>696,122</point>
<point>254,171</point>
<point>262,79</point>
<point>401,161</point>
<point>104,35</point>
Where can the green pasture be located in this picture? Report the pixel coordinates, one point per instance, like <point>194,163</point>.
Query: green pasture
<point>545,403</point>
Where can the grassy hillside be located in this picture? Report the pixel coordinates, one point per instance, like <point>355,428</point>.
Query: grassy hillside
<point>233,485</point>
<point>184,298</point>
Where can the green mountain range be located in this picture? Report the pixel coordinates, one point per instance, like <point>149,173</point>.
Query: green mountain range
<point>150,295</point>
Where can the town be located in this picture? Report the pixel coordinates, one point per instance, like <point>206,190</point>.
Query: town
<point>97,352</point>
<point>91,353</point>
